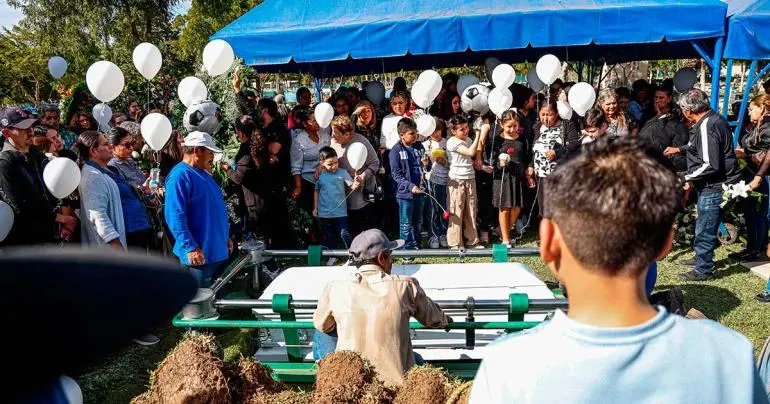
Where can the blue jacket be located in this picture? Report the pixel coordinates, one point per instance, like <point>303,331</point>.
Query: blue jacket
<point>196,214</point>
<point>405,168</point>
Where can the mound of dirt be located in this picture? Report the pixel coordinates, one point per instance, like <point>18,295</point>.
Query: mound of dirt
<point>423,384</point>
<point>291,397</point>
<point>191,373</point>
<point>346,377</point>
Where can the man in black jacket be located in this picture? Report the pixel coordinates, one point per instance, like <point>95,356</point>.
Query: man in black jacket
<point>22,187</point>
<point>711,163</point>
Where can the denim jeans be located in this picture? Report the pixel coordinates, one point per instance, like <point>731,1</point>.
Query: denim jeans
<point>436,224</point>
<point>756,221</point>
<point>207,273</point>
<point>410,214</point>
<point>706,230</point>
<point>324,344</point>
<point>334,230</point>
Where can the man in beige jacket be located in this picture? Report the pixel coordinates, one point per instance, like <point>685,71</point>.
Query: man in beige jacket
<point>370,312</point>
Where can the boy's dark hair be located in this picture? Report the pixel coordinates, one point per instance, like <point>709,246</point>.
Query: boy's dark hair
<point>302,90</point>
<point>326,152</point>
<point>405,125</point>
<point>456,120</point>
<point>595,118</point>
<point>614,203</point>
<point>269,105</point>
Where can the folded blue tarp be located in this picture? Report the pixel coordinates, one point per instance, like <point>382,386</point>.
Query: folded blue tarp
<point>323,36</point>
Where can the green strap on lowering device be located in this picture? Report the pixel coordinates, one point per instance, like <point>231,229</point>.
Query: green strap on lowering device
<point>282,305</point>
<point>499,253</point>
<point>519,305</point>
<point>314,255</point>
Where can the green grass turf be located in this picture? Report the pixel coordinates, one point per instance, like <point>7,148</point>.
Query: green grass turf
<point>729,299</point>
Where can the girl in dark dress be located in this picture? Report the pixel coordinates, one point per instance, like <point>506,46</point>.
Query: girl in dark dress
<point>508,155</point>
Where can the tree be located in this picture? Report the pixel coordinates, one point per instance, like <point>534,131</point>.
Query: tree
<point>204,18</point>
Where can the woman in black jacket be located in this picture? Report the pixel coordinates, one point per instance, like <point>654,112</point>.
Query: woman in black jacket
<point>667,128</point>
<point>753,149</point>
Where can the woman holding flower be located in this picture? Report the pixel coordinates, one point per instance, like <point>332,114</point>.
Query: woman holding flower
<point>753,149</point>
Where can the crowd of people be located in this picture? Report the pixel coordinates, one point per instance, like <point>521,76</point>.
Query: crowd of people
<point>476,179</point>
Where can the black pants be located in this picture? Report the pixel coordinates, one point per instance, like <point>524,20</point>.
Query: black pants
<point>360,220</point>
<point>142,240</point>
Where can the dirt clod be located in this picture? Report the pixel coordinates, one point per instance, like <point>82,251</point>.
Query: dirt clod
<point>423,384</point>
<point>191,374</point>
<point>345,377</point>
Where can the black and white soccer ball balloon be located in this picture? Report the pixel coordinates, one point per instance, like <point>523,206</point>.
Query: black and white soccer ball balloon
<point>203,116</point>
<point>475,98</point>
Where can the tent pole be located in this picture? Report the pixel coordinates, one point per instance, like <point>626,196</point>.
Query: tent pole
<point>744,101</point>
<point>703,54</point>
<point>317,84</point>
<point>728,79</point>
<point>716,71</point>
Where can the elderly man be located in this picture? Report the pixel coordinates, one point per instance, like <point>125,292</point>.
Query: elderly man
<point>195,210</point>
<point>370,312</point>
<point>711,163</point>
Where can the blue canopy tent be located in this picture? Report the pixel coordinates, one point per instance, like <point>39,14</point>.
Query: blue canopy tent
<point>748,38</point>
<point>344,37</point>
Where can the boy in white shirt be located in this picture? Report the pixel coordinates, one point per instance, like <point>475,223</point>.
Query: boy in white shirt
<point>609,213</point>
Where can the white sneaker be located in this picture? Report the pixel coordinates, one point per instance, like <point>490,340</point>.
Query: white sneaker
<point>442,241</point>
<point>434,243</point>
<point>479,247</point>
<point>331,262</point>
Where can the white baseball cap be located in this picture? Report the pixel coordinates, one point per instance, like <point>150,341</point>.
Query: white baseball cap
<point>201,139</point>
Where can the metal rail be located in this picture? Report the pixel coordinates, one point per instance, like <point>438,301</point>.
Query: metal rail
<point>300,325</point>
<point>480,252</point>
<point>478,305</point>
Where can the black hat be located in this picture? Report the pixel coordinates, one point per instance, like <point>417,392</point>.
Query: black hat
<point>16,118</point>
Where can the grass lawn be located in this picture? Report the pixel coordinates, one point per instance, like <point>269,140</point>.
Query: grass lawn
<point>729,299</point>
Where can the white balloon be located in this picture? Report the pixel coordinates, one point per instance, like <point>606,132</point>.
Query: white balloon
<point>147,59</point>
<point>581,98</point>
<point>421,97</point>
<point>685,79</point>
<point>6,220</point>
<point>103,114</point>
<point>356,154</point>
<point>218,56</point>
<point>61,177</point>
<point>429,83</point>
<point>324,113</point>
<point>548,69</point>
<point>191,90</point>
<point>565,110</point>
<point>57,66</point>
<point>534,81</point>
<point>105,80</point>
<point>426,125</point>
<point>71,390</point>
<point>465,81</point>
<point>500,99</point>
<point>156,130</point>
<point>503,75</point>
<point>375,92</point>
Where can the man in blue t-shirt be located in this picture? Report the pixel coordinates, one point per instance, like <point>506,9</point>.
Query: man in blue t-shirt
<point>608,213</point>
<point>195,210</point>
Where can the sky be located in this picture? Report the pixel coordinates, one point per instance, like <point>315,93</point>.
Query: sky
<point>9,16</point>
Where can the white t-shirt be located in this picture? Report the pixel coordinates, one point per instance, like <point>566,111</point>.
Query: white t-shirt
<point>460,166</point>
<point>668,359</point>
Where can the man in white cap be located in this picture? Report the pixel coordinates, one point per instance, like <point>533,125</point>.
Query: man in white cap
<point>370,312</point>
<point>195,210</point>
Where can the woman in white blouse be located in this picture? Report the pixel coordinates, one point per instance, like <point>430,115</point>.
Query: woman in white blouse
<point>304,157</point>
